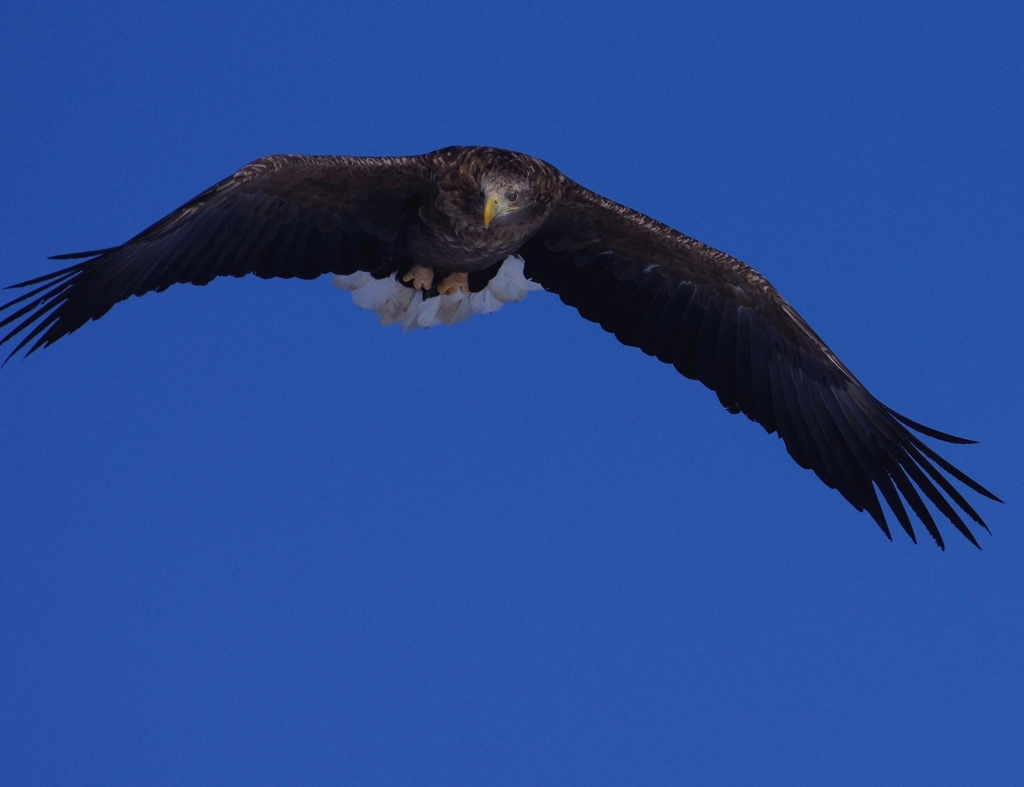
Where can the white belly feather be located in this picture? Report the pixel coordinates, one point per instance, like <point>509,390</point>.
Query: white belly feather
<point>393,302</point>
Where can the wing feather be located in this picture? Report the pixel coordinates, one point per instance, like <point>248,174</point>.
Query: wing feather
<point>746,394</point>
<point>649,336</point>
<point>280,216</point>
<point>724,383</point>
<point>707,343</point>
<point>611,314</point>
<point>718,321</point>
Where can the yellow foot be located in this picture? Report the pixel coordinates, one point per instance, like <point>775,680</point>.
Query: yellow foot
<point>453,283</point>
<point>421,278</point>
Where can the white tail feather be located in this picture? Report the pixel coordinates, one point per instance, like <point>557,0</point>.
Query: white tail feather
<point>393,302</point>
<point>509,284</point>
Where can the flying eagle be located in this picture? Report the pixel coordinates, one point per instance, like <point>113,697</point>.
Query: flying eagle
<point>431,239</point>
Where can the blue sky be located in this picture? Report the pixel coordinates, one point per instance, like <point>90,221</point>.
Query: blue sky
<point>248,536</point>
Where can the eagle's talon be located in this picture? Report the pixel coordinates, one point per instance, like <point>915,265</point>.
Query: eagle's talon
<point>453,283</point>
<point>421,278</point>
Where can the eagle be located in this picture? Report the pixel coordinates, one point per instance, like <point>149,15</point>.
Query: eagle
<point>433,239</point>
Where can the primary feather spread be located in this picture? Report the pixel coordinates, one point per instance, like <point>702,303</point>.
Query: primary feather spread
<point>435,238</point>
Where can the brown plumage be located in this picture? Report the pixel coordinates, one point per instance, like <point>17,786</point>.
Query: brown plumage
<point>708,314</point>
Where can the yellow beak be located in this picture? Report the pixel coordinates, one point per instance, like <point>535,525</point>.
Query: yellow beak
<point>492,207</point>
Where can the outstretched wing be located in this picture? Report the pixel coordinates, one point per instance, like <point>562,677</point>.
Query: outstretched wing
<point>718,321</point>
<point>280,216</point>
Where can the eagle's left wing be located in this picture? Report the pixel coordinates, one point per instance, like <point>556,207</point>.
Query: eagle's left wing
<point>719,321</point>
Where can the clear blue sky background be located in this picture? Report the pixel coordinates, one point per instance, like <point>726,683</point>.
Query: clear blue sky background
<point>248,536</point>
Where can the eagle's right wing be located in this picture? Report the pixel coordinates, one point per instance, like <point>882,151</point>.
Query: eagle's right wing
<point>280,216</point>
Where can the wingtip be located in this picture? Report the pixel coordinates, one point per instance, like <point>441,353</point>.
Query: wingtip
<point>985,493</point>
<point>928,431</point>
<point>81,255</point>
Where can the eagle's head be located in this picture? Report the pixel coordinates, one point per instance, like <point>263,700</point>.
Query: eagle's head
<point>493,199</point>
<point>505,197</point>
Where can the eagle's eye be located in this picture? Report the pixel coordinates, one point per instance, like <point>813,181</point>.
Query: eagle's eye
<point>513,196</point>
